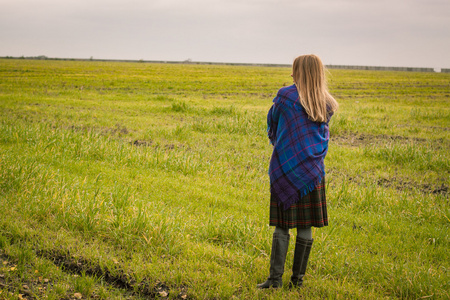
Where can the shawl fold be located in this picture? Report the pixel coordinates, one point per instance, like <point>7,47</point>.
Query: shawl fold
<point>299,148</point>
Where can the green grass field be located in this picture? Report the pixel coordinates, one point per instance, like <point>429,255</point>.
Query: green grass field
<point>136,181</point>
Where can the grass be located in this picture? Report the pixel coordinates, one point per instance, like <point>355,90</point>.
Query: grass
<point>129,181</point>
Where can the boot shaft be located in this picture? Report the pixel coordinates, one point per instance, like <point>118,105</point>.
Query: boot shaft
<point>301,256</point>
<point>280,245</point>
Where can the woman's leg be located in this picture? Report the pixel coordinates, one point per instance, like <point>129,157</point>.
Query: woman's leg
<point>304,233</point>
<point>280,230</point>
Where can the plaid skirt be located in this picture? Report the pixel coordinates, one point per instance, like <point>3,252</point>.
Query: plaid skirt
<point>310,210</point>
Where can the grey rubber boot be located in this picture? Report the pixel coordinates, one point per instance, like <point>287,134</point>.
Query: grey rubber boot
<point>280,244</point>
<point>301,256</point>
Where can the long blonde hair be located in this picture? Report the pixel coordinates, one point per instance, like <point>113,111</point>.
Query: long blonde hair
<point>308,73</point>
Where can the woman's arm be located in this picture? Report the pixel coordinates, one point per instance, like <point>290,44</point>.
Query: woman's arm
<point>272,124</point>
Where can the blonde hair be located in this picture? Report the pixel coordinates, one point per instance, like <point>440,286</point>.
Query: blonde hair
<point>308,73</point>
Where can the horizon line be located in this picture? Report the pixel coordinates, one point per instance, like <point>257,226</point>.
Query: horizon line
<point>189,61</point>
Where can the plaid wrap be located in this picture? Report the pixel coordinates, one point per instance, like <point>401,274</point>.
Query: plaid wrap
<point>310,210</point>
<point>300,146</point>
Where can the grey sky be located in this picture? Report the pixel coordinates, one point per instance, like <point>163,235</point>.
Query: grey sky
<point>413,33</point>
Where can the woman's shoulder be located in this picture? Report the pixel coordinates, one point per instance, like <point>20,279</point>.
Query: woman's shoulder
<point>288,92</point>
<point>288,96</point>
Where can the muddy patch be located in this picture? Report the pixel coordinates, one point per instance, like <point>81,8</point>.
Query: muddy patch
<point>404,185</point>
<point>358,140</point>
<point>106,131</point>
<point>116,278</point>
<point>142,143</point>
<point>15,285</point>
<point>117,130</point>
<point>408,185</point>
<point>438,128</point>
<point>150,143</point>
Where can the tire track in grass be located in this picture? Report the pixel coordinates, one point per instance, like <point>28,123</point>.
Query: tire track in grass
<point>398,184</point>
<point>363,139</point>
<point>403,150</point>
<point>118,279</point>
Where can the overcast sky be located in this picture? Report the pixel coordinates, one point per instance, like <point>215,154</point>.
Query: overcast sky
<point>411,33</point>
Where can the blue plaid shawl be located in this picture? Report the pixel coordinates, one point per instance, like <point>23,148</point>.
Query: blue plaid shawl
<point>300,146</point>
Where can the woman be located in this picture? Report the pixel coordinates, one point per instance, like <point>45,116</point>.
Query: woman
<point>298,130</point>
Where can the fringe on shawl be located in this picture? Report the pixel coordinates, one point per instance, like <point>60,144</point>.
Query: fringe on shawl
<point>301,193</point>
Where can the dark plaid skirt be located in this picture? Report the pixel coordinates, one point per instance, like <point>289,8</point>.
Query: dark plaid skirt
<point>310,210</point>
